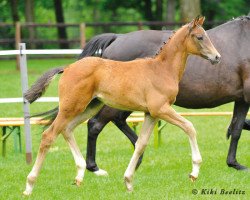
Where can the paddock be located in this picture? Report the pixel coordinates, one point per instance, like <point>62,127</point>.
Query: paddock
<point>114,152</point>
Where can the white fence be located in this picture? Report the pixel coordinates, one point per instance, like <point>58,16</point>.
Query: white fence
<point>22,52</point>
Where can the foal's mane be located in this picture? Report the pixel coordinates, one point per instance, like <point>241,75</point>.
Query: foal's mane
<point>166,42</point>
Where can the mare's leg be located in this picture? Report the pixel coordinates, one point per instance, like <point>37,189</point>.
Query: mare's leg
<point>168,114</point>
<point>140,146</point>
<point>95,126</point>
<point>246,124</point>
<point>121,123</point>
<point>235,128</point>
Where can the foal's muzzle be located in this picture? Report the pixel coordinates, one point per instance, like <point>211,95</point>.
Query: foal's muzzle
<point>213,59</point>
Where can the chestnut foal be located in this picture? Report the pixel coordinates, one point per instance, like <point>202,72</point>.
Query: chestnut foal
<point>149,85</point>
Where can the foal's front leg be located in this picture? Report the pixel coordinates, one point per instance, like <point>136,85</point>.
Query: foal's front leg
<point>168,114</point>
<point>147,128</point>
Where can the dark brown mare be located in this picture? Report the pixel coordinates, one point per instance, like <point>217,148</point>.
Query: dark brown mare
<point>202,86</point>
<point>149,85</point>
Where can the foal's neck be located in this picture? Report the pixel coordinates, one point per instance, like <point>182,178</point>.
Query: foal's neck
<point>173,54</point>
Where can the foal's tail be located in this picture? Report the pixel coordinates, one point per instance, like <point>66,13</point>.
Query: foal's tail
<point>98,44</point>
<point>41,84</point>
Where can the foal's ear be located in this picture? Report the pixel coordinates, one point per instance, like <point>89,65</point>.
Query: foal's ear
<point>200,20</point>
<point>193,23</point>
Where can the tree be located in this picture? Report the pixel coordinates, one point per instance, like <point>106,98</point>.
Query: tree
<point>148,10</point>
<point>14,10</point>
<point>158,11</point>
<point>61,31</point>
<point>171,4</point>
<point>189,9</point>
<point>30,18</point>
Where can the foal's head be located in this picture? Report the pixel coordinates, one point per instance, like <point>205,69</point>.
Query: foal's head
<point>198,42</point>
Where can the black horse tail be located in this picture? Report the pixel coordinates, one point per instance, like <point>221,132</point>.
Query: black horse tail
<point>48,115</point>
<point>98,44</point>
<point>41,84</point>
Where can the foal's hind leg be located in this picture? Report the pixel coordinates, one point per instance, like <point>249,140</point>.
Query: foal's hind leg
<point>168,114</point>
<point>48,137</point>
<point>91,110</point>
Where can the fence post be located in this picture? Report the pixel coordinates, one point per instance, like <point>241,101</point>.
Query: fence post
<point>82,35</point>
<point>17,41</point>
<point>26,108</point>
<point>139,26</point>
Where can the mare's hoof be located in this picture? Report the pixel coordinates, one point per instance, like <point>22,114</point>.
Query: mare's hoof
<point>192,178</point>
<point>128,184</point>
<point>237,166</point>
<point>101,172</point>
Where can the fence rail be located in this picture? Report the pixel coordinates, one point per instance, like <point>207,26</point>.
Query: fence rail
<point>18,37</point>
<point>41,51</point>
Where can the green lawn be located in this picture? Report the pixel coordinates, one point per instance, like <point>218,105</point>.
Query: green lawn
<point>162,175</point>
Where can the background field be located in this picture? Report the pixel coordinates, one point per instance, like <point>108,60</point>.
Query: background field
<point>162,175</point>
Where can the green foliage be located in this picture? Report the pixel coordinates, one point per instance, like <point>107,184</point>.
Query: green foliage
<point>221,10</point>
<point>108,11</point>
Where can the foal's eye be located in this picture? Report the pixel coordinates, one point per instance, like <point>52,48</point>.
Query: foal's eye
<point>199,38</point>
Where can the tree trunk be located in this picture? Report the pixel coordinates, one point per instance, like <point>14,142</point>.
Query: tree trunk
<point>96,17</point>
<point>29,17</point>
<point>14,10</point>
<point>148,10</point>
<point>189,9</point>
<point>61,31</point>
<point>171,4</point>
<point>158,12</point>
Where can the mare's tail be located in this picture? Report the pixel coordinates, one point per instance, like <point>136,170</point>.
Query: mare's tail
<point>41,84</point>
<point>48,115</point>
<point>98,44</point>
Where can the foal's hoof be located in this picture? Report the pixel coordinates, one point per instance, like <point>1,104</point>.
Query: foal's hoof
<point>77,183</point>
<point>192,178</point>
<point>128,184</point>
<point>101,172</point>
<point>26,193</point>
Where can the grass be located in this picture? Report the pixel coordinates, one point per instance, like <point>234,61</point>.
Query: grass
<point>162,175</point>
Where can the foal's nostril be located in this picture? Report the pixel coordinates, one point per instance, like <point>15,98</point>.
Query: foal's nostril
<point>217,57</point>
